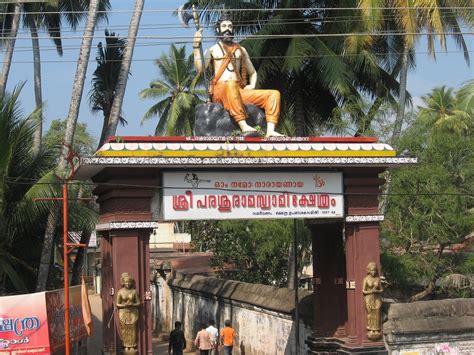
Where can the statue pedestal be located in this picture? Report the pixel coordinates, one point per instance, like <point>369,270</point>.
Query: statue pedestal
<point>212,120</point>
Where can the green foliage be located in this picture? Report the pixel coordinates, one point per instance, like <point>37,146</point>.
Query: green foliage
<point>82,217</point>
<point>250,251</point>
<point>84,143</point>
<point>21,217</point>
<point>315,73</point>
<point>177,94</point>
<point>431,206</point>
<point>50,16</point>
<point>25,177</point>
<point>105,77</point>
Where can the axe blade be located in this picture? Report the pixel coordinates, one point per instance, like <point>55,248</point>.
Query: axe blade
<point>184,16</point>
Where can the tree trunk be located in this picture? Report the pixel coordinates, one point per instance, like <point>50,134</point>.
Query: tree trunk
<point>79,79</point>
<point>81,252</point>
<point>10,46</point>
<point>397,127</point>
<point>124,69</point>
<point>77,267</point>
<point>291,266</point>
<point>37,82</point>
<point>45,261</point>
<point>76,96</point>
<point>299,112</point>
<point>104,131</point>
<point>425,293</point>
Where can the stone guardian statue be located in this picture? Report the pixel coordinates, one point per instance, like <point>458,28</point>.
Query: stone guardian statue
<point>372,290</point>
<point>127,304</point>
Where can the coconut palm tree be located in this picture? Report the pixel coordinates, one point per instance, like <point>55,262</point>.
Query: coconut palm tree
<point>83,215</point>
<point>10,26</point>
<point>465,97</point>
<point>104,80</point>
<point>442,108</point>
<point>124,69</point>
<point>176,92</point>
<point>50,20</point>
<point>315,73</point>
<point>47,16</point>
<point>71,121</point>
<point>438,20</point>
<point>20,171</point>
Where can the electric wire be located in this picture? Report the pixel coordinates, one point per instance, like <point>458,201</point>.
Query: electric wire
<point>270,10</point>
<point>253,57</point>
<point>262,37</point>
<point>296,20</point>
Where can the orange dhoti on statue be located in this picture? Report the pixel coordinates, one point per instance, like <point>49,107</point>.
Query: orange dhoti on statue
<point>233,98</point>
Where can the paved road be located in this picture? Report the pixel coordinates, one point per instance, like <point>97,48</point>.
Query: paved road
<point>94,344</point>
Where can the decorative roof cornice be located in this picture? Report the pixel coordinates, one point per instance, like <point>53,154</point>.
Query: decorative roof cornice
<point>126,225</point>
<point>245,161</point>
<point>365,218</point>
<point>245,150</point>
<point>178,152</point>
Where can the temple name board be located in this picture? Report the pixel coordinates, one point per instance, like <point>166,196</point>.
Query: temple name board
<point>204,195</point>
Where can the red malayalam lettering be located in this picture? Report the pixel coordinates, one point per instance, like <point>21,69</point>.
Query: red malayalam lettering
<point>225,203</point>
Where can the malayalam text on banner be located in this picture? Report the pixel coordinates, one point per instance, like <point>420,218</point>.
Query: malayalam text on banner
<point>204,195</point>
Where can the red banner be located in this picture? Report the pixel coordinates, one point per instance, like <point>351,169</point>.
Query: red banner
<point>34,323</point>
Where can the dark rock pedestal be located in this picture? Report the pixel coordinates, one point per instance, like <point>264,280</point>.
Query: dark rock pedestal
<point>213,120</point>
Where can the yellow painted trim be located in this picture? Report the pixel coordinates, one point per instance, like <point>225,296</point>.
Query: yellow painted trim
<point>246,153</point>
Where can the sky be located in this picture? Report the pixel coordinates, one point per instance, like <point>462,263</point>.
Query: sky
<point>449,69</point>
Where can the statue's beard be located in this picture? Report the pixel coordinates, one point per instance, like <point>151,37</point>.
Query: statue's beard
<point>226,36</point>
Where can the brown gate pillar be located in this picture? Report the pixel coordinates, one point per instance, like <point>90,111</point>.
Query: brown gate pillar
<point>125,226</point>
<point>362,247</point>
<point>342,250</point>
<point>329,295</point>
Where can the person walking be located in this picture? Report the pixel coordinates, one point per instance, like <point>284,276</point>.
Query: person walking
<point>214,337</point>
<point>177,340</point>
<point>228,338</point>
<point>203,340</point>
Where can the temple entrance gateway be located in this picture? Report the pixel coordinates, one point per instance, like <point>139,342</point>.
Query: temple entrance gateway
<point>332,182</point>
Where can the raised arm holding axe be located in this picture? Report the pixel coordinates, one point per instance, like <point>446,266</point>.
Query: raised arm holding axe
<point>235,77</point>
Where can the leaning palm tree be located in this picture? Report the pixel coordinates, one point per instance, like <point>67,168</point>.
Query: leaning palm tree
<point>48,16</point>
<point>105,77</point>
<point>176,92</point>
<point>20,172</point>
<point>125,69</point>
<point>71,121</point>
<point>10,26</point>
<point>45,15</point>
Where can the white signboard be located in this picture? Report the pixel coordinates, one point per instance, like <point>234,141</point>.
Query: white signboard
<point>204,195</point>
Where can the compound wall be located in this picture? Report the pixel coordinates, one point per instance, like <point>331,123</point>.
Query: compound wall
<point>261,315</point>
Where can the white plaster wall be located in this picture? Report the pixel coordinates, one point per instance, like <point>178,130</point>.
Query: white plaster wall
<point>259,331</point>
<point>164,303</point>
<point>165,237</point>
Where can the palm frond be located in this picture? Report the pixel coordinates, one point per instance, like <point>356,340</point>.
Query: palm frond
<point>465,97</point>
<point>7,268</point>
